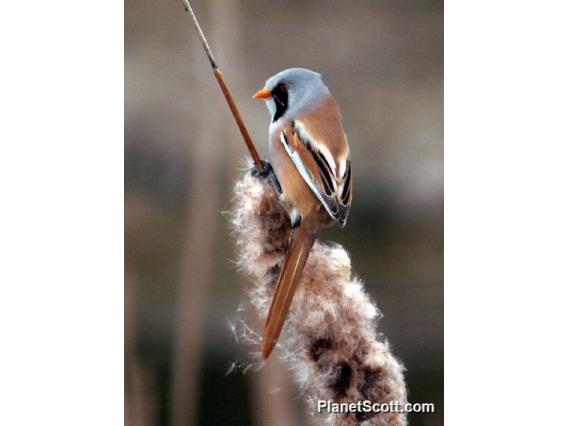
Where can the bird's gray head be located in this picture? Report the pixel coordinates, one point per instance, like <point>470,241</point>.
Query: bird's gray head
<point>292,91</point>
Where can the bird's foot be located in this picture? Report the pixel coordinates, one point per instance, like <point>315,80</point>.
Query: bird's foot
<point>267,172</point>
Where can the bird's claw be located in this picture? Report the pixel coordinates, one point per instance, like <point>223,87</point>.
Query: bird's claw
<point>267,172</point>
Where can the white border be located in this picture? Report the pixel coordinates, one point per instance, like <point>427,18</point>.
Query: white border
<point>61,236</point>
<point>61,174</point>
<point>506,211</point>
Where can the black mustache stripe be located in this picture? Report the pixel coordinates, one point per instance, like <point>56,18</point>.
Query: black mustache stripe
<point>280,97</point>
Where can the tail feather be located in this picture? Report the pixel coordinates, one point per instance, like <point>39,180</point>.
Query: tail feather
<point>301,242</point>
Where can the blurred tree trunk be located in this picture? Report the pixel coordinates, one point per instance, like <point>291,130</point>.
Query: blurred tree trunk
<point>133,410</point>
<point>139,402</point>
<point>198,252</point>
<point>207,140</point>
<point>272,403</point>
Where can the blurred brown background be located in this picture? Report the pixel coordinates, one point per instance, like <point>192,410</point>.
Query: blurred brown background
<point>383,61</point>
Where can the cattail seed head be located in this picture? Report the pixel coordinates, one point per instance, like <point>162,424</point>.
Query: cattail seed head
<point>330,337</point>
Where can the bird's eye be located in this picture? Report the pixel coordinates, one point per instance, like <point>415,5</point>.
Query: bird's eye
<point>284,87</point>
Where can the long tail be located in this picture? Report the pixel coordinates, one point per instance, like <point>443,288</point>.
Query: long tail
<point>301,242</point>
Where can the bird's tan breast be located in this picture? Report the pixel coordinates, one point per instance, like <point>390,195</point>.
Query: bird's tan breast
<point>295,190</point>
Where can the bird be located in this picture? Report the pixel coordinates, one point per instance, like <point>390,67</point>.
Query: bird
<point>310,166</point>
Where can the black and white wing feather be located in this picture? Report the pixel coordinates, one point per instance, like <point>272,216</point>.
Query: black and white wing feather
<point>332,185</point>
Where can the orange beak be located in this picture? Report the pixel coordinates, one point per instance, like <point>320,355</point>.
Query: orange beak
<point>263,93</point>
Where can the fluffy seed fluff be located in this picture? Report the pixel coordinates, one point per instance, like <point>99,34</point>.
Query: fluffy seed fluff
<point>330,337</point>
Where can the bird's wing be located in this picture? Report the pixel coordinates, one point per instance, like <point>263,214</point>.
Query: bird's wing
<point>327,174</point>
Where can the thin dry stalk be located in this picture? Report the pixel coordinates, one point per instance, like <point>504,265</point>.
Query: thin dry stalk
<point>330,338</point>
<point>225,89</point>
